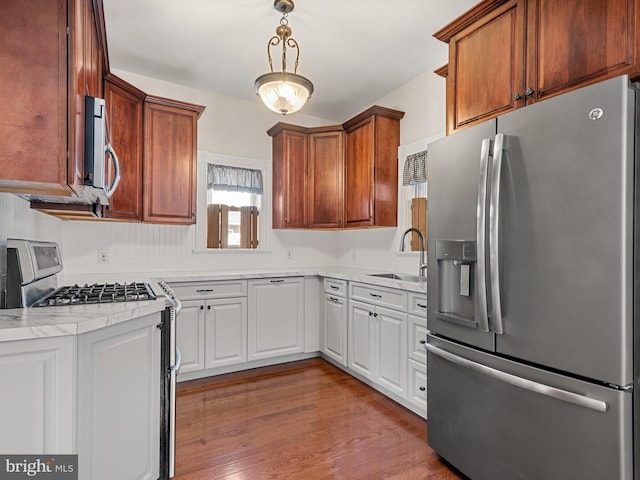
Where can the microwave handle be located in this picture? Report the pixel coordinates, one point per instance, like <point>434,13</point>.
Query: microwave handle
<point>116,166</point>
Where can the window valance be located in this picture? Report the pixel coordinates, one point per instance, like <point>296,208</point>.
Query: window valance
<point>234,179</point>
<point>415,169</point>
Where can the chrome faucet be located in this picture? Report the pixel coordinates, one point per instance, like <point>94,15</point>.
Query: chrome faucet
<point>422,269</point>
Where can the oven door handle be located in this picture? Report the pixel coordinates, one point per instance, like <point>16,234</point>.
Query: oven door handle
<point>178,363</point>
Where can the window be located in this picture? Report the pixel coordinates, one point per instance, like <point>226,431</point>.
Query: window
<point>234,196</point>
<point>414,178</point>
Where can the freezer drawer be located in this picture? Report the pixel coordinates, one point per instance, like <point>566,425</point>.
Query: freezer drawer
<point>496,426</point>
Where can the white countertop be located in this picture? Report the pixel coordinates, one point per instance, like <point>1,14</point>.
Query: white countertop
<point>26,323</point>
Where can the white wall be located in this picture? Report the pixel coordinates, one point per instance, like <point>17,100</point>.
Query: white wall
<point>238,128</point>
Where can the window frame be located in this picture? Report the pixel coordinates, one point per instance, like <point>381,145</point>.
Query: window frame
<point>205,158</point>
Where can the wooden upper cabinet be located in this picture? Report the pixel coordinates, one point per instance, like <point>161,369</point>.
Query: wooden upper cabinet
<point>45,74</point>
<point>573,43</point>
<point>125,107</point>
<point>508,54</point>
<point>337,176</point>
<point>170,161</point>
<point>289,157</point>
<point>371,173</point>
<point>488,75</point>
<point>325,189</point>
<point>359,174</point>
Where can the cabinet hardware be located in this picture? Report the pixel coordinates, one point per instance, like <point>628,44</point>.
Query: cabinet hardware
<point>528,92</point>
<point>517,96</point>
<point>208,307</point>
<point>375,314</point>
<point>422,342</point>
<point>204,290</point>
<point>333,299</point>
<point>421,305</point>
<point>277,281</point>
<point>334,287</point>
<point>201,307</point>
<point>375,295</point>
<point>422,389</point>
<point>370,314</point>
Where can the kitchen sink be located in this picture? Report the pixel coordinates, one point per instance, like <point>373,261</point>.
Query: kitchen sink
<point>406,277</point>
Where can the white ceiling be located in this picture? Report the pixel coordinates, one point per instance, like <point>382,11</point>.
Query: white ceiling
<point>354,51</point>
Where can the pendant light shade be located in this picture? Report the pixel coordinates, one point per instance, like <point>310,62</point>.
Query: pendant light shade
<point>283,92</point>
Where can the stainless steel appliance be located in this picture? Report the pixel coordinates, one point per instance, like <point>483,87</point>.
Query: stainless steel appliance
<point>532,365</point>
<point>32,281</point>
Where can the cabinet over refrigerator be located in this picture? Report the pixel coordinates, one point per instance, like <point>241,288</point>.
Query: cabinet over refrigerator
<point>532,255</point>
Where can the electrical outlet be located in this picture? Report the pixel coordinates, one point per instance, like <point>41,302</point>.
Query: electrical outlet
<point>103,256</point>
<point>289,254</point>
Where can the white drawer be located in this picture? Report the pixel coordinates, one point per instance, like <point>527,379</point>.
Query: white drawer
<point>335,286</point>
<point>220,289</point>
<point>385,297</point>
<point>418,304</point>
<point>417,338</point>
<point>417,391</point>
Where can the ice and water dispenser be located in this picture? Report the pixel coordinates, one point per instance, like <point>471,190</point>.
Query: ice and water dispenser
<point>456,279</point>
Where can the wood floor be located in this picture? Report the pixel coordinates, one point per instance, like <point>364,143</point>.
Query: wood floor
<point>303,420</point>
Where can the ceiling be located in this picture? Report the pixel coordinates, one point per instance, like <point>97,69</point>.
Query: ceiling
<point>354,51</point>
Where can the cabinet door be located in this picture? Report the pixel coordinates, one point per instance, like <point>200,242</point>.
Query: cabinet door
<point>225,332</point>
<point>37,399</point>
<point>33,97</point>
<point>417,385</point>
<point>169,164</point>
<point>576,42</point>
<point>276,317</point>
<point>417,338</point>
<point>486,67</point>
<point>119,401</point>
<point>335,328</point>
<point>362,339</point>
<point>360,174</point>
<point>392,350</point>
<point>190,335</point>
<point>289,179</point>
<point>124,110</point>
<point>325,180</point>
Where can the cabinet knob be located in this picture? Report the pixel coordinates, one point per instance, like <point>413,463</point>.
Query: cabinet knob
<point>422,342</point>
<point>422,389</point>
<point>528,92</point>
<point>517,96</point>
<point>201,307</point>
<point>208,307</point>
<point>375,314</point>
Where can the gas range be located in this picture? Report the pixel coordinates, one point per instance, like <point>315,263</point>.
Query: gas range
<point>97,293</point>
<point>32,280</point>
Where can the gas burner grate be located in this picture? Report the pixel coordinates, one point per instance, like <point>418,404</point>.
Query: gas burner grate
<point>98,293</point>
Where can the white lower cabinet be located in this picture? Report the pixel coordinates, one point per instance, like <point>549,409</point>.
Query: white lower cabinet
<point>335,328</point>
<point>225,332</point>
<point>37,399</point>
<point>377,345</point>
<point>276,317</point>
<point>119,401</point>
<point>190,335</point>
<point>417,389</point>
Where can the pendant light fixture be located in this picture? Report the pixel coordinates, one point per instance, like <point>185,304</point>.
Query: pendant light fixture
<point>283,92</point>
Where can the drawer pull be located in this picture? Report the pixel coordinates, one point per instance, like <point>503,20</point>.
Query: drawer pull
<point>421,305</point>
<point>277,281</point>
<point>204,290</point>
<point>334,299</point>
<point>422,389</point>
<point>334,287</point>
<point>375,295</point>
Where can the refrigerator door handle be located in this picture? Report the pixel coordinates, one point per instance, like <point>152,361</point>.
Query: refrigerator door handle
<point>481,221</point>
<point>494,224</point>
<point>541,388</point>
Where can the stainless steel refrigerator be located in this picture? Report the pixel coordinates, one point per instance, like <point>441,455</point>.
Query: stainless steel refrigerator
<point>533,281</point>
